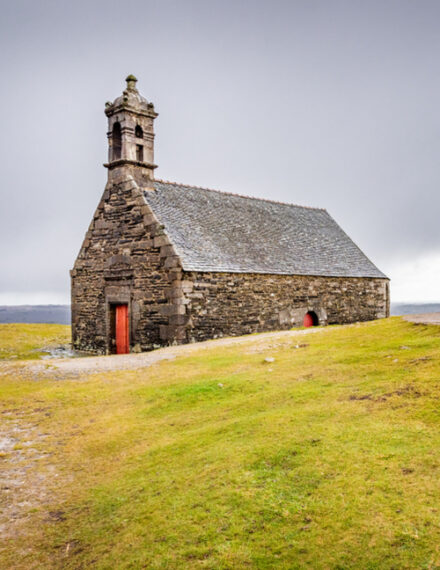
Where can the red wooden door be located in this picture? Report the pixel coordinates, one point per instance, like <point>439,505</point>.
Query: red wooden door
<point>122,346</point>
<point>308,320</point>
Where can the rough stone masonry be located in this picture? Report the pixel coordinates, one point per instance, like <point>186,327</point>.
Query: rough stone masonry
<point>193,264</point>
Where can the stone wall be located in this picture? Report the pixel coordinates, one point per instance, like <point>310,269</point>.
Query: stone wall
<point>125,258</point>
<point>225,304</point>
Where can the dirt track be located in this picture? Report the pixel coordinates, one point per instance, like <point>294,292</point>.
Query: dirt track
<point>91,364</point>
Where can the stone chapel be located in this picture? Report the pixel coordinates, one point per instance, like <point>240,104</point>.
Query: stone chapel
<point>165,263</point>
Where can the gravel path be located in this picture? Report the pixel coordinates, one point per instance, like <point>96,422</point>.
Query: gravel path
<point>90,364</point>
<point>424,318</point>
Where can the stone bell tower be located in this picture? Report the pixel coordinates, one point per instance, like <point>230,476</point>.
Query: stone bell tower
<point>131,134</point>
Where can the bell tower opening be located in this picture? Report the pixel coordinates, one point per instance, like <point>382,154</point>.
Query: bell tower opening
<point>139,153</point>
<point>116,142</point>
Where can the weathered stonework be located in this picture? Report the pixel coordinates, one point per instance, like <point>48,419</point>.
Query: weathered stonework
<point>128,257</point>
<point>125,258</point>
<point>234,304</point>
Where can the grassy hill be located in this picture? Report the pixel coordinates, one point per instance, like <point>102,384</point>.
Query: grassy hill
<point>28,341</point>
<point>327,457</point>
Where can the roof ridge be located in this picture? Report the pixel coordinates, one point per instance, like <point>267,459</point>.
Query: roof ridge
<point>238,195</point>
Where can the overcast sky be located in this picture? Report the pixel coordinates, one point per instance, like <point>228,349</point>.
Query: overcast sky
<point>324,103</point>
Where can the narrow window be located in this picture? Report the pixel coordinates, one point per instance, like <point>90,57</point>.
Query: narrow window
<point>138,132</point>
<point>139,153</point>
<point>116,142</point>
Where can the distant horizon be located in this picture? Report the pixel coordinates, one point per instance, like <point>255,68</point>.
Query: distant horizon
<point>61,313</point>
<point>66,304</point>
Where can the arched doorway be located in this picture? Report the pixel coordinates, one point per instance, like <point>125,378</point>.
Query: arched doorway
<point>310,319</point>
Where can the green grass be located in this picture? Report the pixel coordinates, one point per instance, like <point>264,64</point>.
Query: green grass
<point>328,457</point>
<point>25,341</point>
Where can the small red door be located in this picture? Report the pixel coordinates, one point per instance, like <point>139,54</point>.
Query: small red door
<point>122,346</point>
<point>308,320</point>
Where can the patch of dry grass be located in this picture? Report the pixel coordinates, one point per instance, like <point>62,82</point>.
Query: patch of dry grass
<point>25,341</point>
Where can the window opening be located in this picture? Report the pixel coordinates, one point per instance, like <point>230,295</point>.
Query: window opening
<point>116,142</point>
<point>139,153</point>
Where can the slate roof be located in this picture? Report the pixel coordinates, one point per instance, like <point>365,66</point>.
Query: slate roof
<point>220,232</point>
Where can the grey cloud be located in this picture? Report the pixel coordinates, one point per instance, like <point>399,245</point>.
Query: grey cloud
<point>333,104</point>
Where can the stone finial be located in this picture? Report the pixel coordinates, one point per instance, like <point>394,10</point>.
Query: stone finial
<point>131,82</point>
<point>131,100</point>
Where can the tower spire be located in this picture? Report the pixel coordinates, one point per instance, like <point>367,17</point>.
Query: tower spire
<point>131,133</point>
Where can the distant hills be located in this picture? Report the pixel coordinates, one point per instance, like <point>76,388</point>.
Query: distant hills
<point>414,308</point>
<point>60,314</point>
